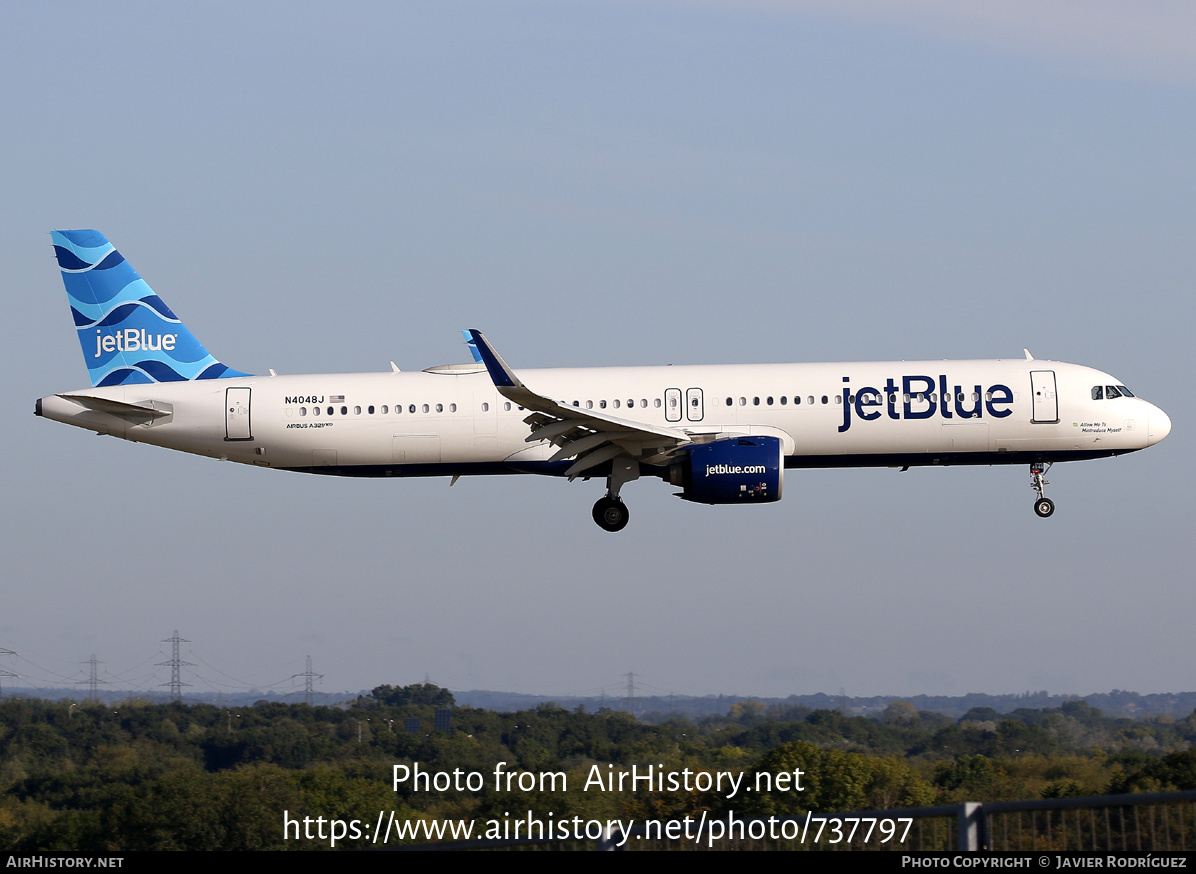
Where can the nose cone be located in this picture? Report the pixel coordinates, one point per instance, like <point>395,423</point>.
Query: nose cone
<point>1159,427</point>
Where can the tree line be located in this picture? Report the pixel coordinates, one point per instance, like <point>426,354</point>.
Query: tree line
<point>82,776</point>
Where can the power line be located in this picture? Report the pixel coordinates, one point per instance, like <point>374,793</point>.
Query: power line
<point>176,683</point>
<point>93,680</point>
<point>309,693</point>
<point>8,674</point>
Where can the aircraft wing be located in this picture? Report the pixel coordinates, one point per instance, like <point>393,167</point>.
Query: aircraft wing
<point>590,436</point>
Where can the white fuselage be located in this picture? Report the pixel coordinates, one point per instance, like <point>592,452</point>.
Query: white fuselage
<point>455,422</point>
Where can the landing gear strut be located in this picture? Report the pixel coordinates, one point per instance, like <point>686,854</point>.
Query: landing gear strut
<point>1043,505</point>
<point>610,512</point>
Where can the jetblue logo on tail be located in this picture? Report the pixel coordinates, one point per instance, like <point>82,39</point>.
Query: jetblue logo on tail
<point>134,340</point>
<point>127,333</point>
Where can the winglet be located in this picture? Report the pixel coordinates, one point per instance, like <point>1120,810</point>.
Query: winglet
<point>473,348</point>
<point>502,375</point>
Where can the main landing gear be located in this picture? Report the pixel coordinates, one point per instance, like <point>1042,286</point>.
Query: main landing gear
<point>1043,505</point>
<point>610,512</point>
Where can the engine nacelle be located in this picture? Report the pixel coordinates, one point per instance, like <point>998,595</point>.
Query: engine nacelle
<point>737,470</point>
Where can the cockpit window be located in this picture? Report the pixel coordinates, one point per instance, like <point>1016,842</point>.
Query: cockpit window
<point>1098,392</point>
<point>1111,392</point>
<point>1125,391</point>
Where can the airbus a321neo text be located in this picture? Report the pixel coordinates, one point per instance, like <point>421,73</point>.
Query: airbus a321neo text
<point>722,435</point>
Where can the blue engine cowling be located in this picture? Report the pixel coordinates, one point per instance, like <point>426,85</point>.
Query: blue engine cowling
<point>738,470</point>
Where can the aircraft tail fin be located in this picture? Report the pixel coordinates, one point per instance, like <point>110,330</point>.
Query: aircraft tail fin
<point>127,333</point>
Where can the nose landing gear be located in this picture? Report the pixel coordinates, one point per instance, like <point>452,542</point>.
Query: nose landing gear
<point>1043,505</point>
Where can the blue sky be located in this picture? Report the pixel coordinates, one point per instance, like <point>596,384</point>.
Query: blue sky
<point>315,189</point>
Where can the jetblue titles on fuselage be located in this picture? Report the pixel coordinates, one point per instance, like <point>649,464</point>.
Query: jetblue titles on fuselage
<point>922,397</point>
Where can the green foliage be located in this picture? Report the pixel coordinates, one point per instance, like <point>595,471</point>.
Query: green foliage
<point>80,776</point>
<point>1175,772</point>
<point>832,780</point>
<point>415,695</point>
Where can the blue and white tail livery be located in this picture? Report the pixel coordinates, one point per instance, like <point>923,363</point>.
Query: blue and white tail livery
<point>127,333</point>
<point>722,435</point>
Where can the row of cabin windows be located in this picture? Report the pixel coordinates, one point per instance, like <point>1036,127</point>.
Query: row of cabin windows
<point>783,400</point>
<point>618,402</point>
<point>797,400</point>
<point>892,398</point>
<point>398,409</point>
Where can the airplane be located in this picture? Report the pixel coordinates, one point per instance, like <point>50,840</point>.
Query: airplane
<point>722,434</point>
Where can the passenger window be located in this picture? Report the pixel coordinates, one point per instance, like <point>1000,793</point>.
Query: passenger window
<point>485,408</point>
<point>616,402</point>
<point>768,401</point>
<point>784,400</point>
<point>331,411</point>
<point>730,402</point>
<point>426,408</point>
<point>810,400</point>
<point>315,411</point>
<point>838,399</point>
<point>411,408</point>
<point>589,405</point>
<point>644,402</point>
<point>797,399</point>
<point>743,402</point>
<point>357,411</point>
<point>507,406</point>
<point>303,411</point>
<point>344,411</point>
<point>602,405</point>
<point>656,403</point>
<point>452,408</point>
<point>440,408</point>
<point>825,399</point>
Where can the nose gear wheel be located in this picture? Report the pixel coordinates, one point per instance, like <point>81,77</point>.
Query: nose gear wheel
<point>1043,505</point>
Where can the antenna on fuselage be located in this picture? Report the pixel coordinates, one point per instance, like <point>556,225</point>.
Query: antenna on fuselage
<point>1029,357</point>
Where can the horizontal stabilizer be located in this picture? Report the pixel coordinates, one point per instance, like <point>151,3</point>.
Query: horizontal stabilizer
<point>132,412</point>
